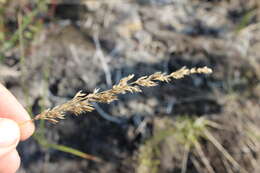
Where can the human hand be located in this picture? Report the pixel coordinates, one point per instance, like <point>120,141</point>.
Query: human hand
<point>11,113</point>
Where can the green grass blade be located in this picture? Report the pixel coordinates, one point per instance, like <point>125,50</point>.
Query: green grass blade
<point>73,151</point>
<point>65,149</point>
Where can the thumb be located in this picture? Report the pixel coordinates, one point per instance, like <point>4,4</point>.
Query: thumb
<point>9,135</point>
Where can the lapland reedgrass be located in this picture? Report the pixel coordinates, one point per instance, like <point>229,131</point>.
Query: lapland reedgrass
<point>81,102</point>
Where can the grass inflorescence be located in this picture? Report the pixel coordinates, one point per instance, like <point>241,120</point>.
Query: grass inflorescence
<point>81,102</point>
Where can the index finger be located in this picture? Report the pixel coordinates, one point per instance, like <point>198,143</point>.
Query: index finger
<point>12,109</point>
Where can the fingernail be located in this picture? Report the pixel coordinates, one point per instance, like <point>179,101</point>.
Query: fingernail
<point>9,133</point>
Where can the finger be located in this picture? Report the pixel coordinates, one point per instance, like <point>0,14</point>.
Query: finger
<point>10,162</point>
<point>9,135</point>
<point>12,109</point>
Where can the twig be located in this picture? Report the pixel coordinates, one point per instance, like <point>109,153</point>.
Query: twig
<point>105,115</point>
<point>103,60</point>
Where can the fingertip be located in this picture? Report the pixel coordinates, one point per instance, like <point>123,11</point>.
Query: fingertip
<point>10,108</point>
<point>9,135</point>
<point>10,163</point>
<point>27,129</point>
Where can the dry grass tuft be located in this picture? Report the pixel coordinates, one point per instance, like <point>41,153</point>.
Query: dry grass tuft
<point>81,102</point>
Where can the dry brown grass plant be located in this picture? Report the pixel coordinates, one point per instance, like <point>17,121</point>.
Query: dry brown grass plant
<point>81,102</point>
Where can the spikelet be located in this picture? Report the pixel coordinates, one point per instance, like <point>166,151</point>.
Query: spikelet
<point>81,102</point>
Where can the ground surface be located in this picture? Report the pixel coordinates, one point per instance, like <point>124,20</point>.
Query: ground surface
<point>96,43</point>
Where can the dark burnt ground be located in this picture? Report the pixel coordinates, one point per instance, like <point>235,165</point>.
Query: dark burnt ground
<point>139,37</point>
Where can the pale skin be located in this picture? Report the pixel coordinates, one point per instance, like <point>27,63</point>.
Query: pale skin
<point>12,130</point>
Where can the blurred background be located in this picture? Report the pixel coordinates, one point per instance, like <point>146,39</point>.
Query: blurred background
<point>50,49</point>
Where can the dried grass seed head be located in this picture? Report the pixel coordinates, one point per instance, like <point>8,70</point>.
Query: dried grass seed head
<point>81,102</point>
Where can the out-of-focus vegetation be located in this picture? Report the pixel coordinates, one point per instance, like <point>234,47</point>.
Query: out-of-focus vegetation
<point>9,26</point>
